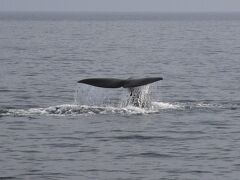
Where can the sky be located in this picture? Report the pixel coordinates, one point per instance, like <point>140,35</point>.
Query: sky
<point>122,5</point>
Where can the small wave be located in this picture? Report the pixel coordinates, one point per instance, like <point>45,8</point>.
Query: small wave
<point>156,107</point>
<point>166,105</point>
<point>72,109</point>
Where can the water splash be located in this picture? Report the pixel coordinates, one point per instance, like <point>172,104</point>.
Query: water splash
<point>92,101</point>
<point>139,97</point>
<point>88,95</point>
<point>155,107</point>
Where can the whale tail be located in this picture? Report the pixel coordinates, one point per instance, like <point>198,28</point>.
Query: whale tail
<point>118,83</point>
<point>138,97</point>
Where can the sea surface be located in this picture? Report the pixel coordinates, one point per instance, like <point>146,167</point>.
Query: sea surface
<point>53,128</point>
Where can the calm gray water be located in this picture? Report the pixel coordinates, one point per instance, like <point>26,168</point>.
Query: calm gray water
<point>53,128</point>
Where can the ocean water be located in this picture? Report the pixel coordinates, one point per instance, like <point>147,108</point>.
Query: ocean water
<point>53,128</point>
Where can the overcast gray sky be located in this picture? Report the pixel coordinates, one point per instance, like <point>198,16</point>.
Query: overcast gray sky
<point>122,5</point>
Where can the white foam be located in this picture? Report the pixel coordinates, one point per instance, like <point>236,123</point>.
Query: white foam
<point>76,110</point>
<point>73,110</point>
<point>165,105</point>
<point>207,105</point>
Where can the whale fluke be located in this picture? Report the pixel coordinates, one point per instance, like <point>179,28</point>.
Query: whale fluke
<point>103,82</point>
<point>118,83</point>
<point>137,96</point>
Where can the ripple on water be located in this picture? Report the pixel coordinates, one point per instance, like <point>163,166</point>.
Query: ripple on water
<point>156,107</point>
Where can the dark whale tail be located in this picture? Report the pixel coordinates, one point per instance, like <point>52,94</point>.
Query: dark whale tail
<point>118,83</point>
<point>137,97</point>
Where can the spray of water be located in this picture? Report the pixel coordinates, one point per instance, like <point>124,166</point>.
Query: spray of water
<point>137,97</point>
<point>90,100</point>
<point>92,96</point>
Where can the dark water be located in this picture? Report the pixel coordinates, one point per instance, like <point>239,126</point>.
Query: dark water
<point>52,128</point>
